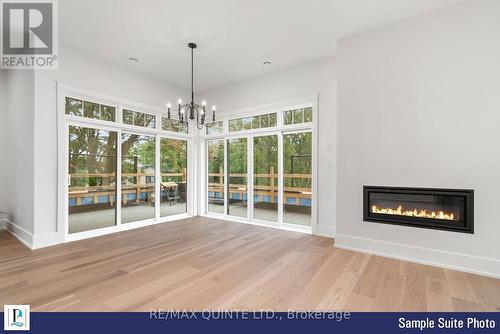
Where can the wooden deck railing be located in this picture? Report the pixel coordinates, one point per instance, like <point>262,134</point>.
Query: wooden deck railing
<point>140,186</point>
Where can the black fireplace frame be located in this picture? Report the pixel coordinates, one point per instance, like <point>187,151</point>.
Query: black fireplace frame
<point>438,224</point>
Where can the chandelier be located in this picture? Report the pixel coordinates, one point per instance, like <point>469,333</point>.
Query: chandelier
<point>192,108</point>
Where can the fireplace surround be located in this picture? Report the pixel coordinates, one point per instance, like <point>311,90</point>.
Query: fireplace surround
<point>434,208</point>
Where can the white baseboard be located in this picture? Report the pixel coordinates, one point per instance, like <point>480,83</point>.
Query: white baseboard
<point>2,224</point>
<point>325,231</point>
<point>457,261</point>
<point>20,233</point>
<point>47,239</point>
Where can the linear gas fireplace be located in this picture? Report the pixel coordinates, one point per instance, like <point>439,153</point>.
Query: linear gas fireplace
<point>443,209</point>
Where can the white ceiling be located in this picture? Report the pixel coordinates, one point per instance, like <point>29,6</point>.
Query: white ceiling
<point>234,36</point>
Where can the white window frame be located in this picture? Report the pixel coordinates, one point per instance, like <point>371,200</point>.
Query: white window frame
<point>278,130</point>
<point>64,121</point>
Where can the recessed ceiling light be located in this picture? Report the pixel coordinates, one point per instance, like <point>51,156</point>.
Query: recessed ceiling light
<point>133,60</point>
<point>266,63</point>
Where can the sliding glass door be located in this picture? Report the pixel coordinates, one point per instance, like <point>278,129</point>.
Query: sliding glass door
<point>297,178</point>
<point>265,178</point>
<point>173,182</point>
<point>138,178</point>
<point>216,184</point>
<point>281,179</point>
<point>237,177</point>
<point>92,178</point>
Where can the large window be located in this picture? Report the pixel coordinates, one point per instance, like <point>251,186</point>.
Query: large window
<point>237,178</point>
<point>91,179</point>
<point>216,185</point>
<point>279,187</point>
<point>123,168</point>
<point>138,178</point>
<point>173,183</point>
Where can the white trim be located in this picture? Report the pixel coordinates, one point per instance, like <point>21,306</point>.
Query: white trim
<point>325,231</point>
<point>451,260</point>
<point>286,227</point>
<point>123,227</point>
<point>25,237</point>
<point>47,239</point>
<point>250,178</point>
<point>315,169</point>
<point>281,205</point>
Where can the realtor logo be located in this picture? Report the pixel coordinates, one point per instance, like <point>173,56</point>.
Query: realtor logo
<point>16,318</point>
<point>29,34</point>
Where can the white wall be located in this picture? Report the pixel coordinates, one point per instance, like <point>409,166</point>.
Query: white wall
<point>318,77</point>
<point>419,105</point>
<point>78,69</point>
<point>3,139</point>
<point>17,153</point>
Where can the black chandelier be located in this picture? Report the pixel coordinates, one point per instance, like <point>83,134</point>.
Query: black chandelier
<point>192,108</point>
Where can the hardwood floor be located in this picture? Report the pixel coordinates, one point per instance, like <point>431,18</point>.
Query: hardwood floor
<point>202,263</point>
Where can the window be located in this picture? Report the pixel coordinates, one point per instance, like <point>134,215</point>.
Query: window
<point>297,116</point>
<point>87,109</point>
<point>297,178</point>
<point>215,163</point>
<point>138,181</point>
<point>173,125</point>
<point>265,178</point>
<point>173,182</point>
<point>254,122</point>
<point>92,179</point>
<point>218,127</point>
<point>136,118</point>
<point>237,178</point>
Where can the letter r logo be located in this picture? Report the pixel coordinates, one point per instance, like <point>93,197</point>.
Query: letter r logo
<point>27,28</point>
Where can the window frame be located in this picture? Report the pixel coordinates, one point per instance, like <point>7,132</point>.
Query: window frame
<point>64,121</point>
<point>280,129</point>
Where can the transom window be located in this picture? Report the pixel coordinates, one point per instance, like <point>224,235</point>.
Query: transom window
<point>297,116</point>
<point>253,122</point>
<point>173,125</point>
<point>137,118</point>
<point>218,127</point>
<point>88,109</point>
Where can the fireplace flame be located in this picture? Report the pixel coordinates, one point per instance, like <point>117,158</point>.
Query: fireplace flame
<point>414,213</point>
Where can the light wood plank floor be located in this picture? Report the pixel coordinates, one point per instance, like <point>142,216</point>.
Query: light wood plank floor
<point>202,263</point>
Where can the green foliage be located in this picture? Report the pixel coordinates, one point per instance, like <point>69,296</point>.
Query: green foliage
<point>297,150</point>
<point>136,118</point>
<point>89,109</point>
<point>265,156</point>
<point>91,151</point>
<point>173,158</point>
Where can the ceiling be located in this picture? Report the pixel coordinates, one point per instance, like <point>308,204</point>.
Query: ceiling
<point>234,36</point>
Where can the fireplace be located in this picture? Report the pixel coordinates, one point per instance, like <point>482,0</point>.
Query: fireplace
<point>442,209</point>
